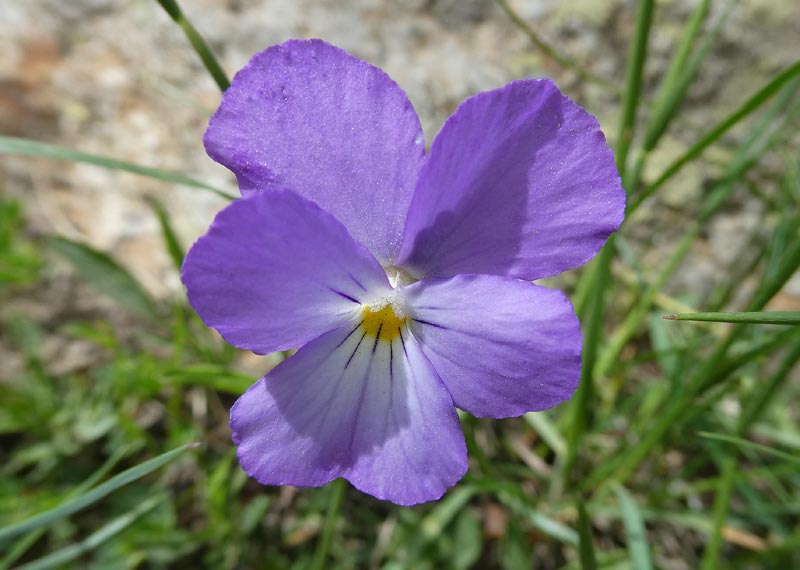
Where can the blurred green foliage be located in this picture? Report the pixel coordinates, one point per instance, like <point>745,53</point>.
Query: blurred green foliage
<point>682,445</point>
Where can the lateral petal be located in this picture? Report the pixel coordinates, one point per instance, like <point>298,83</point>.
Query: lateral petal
<point>275,271</point>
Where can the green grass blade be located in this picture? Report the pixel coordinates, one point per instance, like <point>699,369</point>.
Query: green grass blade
<point>638,549</point>
<point>430,528</point>
<point>23,544</point>
<point>198,43</point>
<point>681,73</point>
<point>748,107</point>
<point>585,546</point>
<point>25,147</point>
<point>547,430</point>
<point>633,80</point>
<point>174,247</point>
<point>760,140</point>
<point>741,442</point>
<point>337,489</point>
<point>751,413</point>
<point>104,533</point>
<point>549,51</point>
<point>72,506</point>
<point>106,275</point>
<point>758,317</point>
<point>599,273</point>
<point>210,376</point>
<point>761,401</point>
<point>511,495</point>
<point>704,377</point>
<point>582,407</point>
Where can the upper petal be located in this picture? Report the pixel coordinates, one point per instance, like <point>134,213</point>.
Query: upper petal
<point>350,405</point>
<point>519,182</point>
<point>275,271</point>
<point>503,347</point>
<point>310,117</point>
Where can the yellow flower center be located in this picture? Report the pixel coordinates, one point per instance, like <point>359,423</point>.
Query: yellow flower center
<point>382,323</point>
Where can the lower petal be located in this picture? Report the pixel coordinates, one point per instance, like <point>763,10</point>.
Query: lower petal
<point>503,347</point>
<point>351,405</point>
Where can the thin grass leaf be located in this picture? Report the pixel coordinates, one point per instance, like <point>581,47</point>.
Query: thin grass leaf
<point>782,455</point>
<point>336,490</point>
<point>25,147</point>
<point>676,84</point>
<point>198,43</point>
<point>682,72</point>
<point>72,506</point>
<point>550,51</point>
<point>703,378</point>
<point>547,430</point>
<point>434,523</point>
<point>103,534</point>
<point>209,376</point>
<point>582,408</point>
<point>762,137</point>
<point>638,549</point>
<point>592,306</point>
<point>586,546</point>
<point>758,317</point>
<point>176,252</point>
<point>747,108</point>
<point>106,275</point>
<point>637,56</point>
<point>23,544</point>
<point>758,403</point>
<point>512,496</point>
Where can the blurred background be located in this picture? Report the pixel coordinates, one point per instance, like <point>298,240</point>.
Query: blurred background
<point>103,365</point>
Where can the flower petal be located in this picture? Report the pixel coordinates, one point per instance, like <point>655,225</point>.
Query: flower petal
<point>275,271</point>
<point>348,405</point>
<point>519,182</point>
<point>502,347</point>
<point>310,117</point>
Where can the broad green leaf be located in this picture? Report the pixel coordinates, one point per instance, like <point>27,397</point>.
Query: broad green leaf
<point>106,275</point>
<point>72,506</point>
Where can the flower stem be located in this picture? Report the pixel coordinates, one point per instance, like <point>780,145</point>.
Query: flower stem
<point>337,489</point>
<point>198,43</point>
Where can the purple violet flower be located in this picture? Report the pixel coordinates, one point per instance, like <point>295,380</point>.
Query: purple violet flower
<point>403,279</point>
